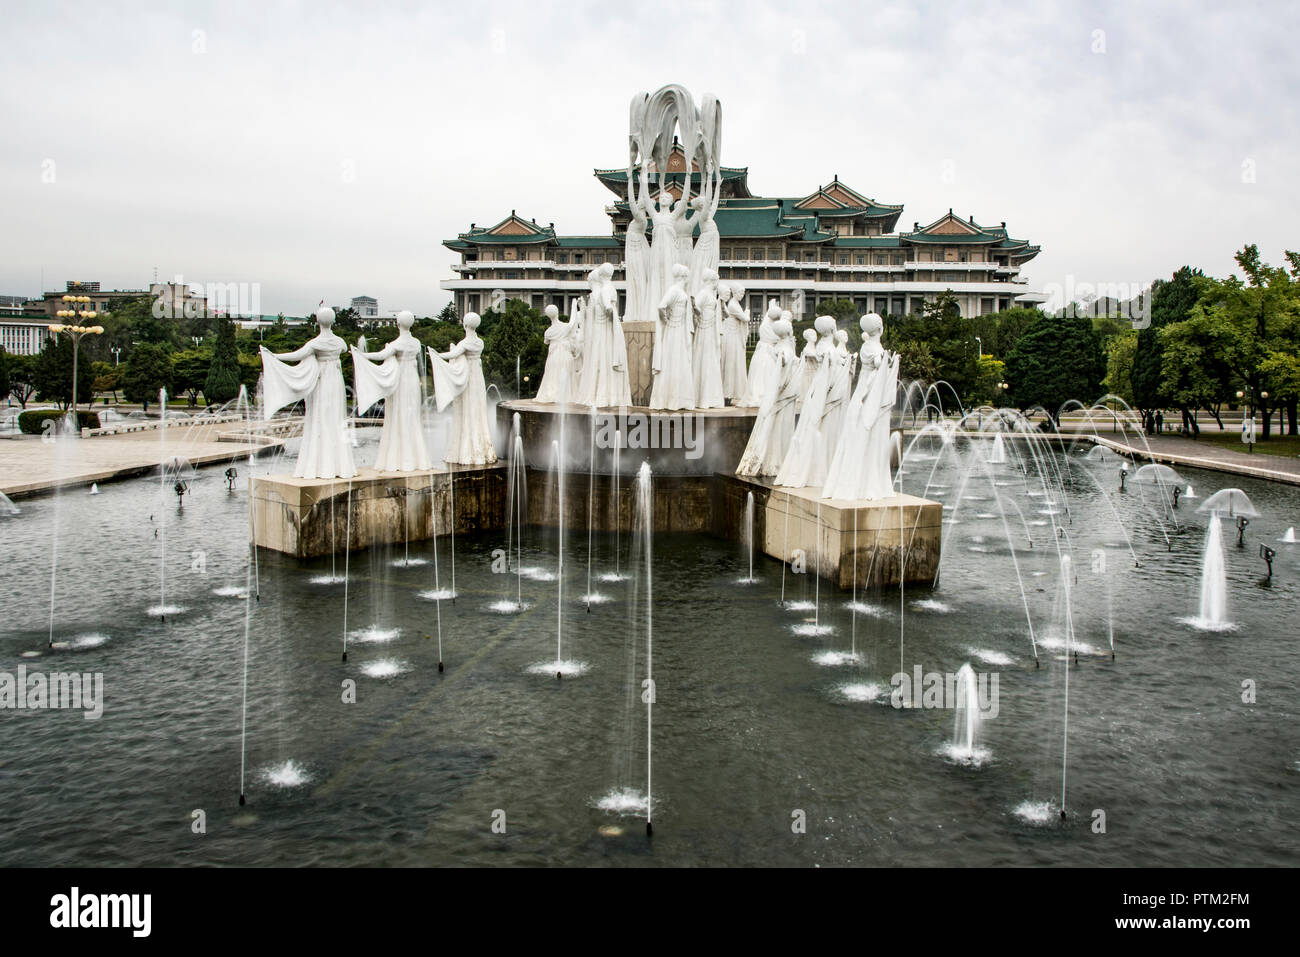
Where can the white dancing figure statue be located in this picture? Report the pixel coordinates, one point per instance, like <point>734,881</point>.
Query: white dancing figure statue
<point>393,374</point>
<point>706,355</point>
<point>559,380</point>
<point>705,256</point>
<point>663,245</point>
<point>735,337</point>
<point>604,381</point>
<point>458,382</point>
<point>326,450</point>
<point>636,251</point>
<point>763,365</point>
<point>838,392</point>
<point>860,468</point>
<point>674,382</point>
<point>774,427</point>
<point>808,365</point>
<point>804,463</point>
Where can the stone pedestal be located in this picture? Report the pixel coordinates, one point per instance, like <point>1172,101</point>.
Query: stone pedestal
<point>894,538</point>
<point>640,338</point>
<point>308,518</point>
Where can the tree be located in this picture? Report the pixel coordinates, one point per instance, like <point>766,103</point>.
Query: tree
<point>1011,324</point>
<point>1171,301</point>
<point>1055,360</point>
<point>518,331</point>
<point>222,383</point>
<point>1119,365</point>
<point>144,320</point>
<point>22,378</point>
<point>190,373</point>
<point>107,377</point>
<point>147,371</point>
<point>53,373</point>
<point>4,372</point>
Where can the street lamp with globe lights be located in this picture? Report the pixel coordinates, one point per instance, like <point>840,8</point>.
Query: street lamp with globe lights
<point>1248,423</point>
<point>77,309</point>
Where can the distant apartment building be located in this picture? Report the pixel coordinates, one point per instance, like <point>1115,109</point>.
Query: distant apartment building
<point>366,307</point>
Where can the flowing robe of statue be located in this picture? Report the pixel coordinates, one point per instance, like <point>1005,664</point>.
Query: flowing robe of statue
<point>685,231</point>
<point>803,465</point>
<point>604,380</point>
<point>735,337</point>
<point>393,374</point>
<point>663,254</point>
<point>707,251</point>
<point>837,397</point>
<point>808,359</point>
<point>775,425</point>
<point>706,358</point>
<point>674,382</point>
<point>636,259</point>
<point>458,383</point>
<point>860,469</point>
<point>326,450</point>
<point>763,365</point>
<point>559,379</point>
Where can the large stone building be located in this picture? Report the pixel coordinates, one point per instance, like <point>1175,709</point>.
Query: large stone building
<point>833,243</point>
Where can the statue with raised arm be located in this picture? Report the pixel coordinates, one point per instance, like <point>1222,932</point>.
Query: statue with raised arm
<point>705,256</point>
<point>458,383</point>
<point>559,380</point>
<point>663,245</point>
<point>604,382</point>
<point>674,382</point>
<point>393,374</point>
<point>860,467</point>
<point>636,247</point>
<point>317,379</point>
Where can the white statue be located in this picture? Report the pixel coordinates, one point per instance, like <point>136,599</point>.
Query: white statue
<point>762,366</point>
<point>674,382</point>
<point>804,464</point>
<point>393,374</point>
<point>604,381</point>
<point>326,450</point>
<point>706,356</point>
<point>663,246</point>
<point>860,467</point>
<point>838,391</point>
<point>636,252</point>
<point>808,359</point>
<point>458,382</point>
<point>774,427</point>
<point>559,380</point>
<point>735,339</point>
<point>705,256</point>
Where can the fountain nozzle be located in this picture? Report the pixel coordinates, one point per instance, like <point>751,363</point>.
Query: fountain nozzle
<point>558,676</point>
<point>440,667</point>
<point>345,656</point>
<point>241,800</point>
<point>649,829</point>
<point>1062,814</point>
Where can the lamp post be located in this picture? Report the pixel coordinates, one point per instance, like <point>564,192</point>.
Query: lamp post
<point>117,355</point>
<point>1248,423</point>
<point>980,343</point>
<point>76,310</point>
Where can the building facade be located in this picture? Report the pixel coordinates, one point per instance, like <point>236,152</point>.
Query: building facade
<point>833,243</point>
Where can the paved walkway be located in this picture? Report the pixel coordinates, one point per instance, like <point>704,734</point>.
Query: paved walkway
<point>1180,450</point>
<point>29,466</point>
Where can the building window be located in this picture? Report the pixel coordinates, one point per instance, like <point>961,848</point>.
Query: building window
<point>512,275</point>
<point>862,260</point>
<point>577,259</point>
<point>844,260</point>
<point>562,259</point>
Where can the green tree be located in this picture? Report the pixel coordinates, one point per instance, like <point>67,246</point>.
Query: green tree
<point>22,378</point>
<point>147,371</point>
<point>190,373</point>
<point>53,374</point>
<point>107,377</point>
<point>1171,301</point>
<point>1053,361</point>
<point>1119,365</point>
<point>222,383</point>
<point>144,320</point>
<point>518,330</point>
<point>4,372</point>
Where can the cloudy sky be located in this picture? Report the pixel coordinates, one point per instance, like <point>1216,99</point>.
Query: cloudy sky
<point>324,150</point>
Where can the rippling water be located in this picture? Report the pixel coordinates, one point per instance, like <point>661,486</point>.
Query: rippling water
<point>752,723</point>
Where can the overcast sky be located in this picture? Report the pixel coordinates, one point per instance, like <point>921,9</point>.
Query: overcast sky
<point>324,150</point>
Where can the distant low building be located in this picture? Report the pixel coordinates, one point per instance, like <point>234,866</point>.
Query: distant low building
<point>366,307</point>
<point>24,336</point>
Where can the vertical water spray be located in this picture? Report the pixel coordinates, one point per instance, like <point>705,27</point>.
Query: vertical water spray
<point>559,568</point>
<point>966,713</point>
<point>162,508</point>
<point>591,498</point>
<point>645,514</point>
<point>347,555</point>
<point>1066,584</point>
<point>1213,612</point>
<point>747,534</point>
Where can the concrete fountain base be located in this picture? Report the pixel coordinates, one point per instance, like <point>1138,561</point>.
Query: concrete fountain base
<point>309,518</point>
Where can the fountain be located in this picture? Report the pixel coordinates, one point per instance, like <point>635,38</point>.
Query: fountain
<point>998,454</point>
<point>1288,536</point>
<point>747,537</point>
<point>966,718</point>
<point>1212,614</point>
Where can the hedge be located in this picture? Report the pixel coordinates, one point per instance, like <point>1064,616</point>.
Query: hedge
<point>32,422</point>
